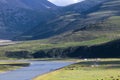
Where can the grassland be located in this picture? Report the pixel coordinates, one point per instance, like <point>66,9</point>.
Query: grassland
<point>34,46</point>
<point>105,69</point>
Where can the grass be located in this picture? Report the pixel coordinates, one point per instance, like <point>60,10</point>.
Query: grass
<point>14,63</point>
<point>114,20</point>
<point>7,66</point>
<point>33,46</point>
<point>109,28</point>
<point>4,68</point>
<point>106,69</point>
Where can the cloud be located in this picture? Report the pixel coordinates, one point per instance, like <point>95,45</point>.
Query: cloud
<point>64,2</point>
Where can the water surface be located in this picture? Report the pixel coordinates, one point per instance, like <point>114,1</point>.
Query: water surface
<point>35,69</point>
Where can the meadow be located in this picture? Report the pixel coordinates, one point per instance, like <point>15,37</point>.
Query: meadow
<point>95,69</point>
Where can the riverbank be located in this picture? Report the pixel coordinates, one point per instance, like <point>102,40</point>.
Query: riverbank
<point>97,69</point>
<point>11,65</point>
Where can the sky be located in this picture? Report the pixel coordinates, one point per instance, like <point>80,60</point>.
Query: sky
<point>64,2</point>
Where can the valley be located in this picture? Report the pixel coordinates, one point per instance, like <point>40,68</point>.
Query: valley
<point>73,42</point>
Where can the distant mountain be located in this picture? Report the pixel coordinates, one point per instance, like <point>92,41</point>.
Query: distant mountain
<point>18,16</point>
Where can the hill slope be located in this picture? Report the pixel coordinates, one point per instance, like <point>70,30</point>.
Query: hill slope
<point>103,22</point>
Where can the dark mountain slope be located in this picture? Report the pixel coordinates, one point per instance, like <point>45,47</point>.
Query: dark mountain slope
<point>87,20</point>
<point>71,18</point>
<point>18,16</point>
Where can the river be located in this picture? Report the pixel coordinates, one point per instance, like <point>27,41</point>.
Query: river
<point>35,69</point>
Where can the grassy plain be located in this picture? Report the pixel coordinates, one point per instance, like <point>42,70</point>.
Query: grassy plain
<point>101,69</point>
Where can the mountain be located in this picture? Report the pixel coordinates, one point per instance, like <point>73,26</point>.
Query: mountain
<point>86,20</point>
<point>30,4</point>
<point>19,16</point>
<point>79,23</point>
<point>73,22</point>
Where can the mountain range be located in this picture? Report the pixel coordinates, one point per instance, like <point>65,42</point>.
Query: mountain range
<point>82,21</point>
<point>41,19</point>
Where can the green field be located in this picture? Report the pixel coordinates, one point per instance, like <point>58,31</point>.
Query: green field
<point>105,69</point>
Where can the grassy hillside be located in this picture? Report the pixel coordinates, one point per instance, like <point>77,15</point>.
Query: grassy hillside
<point>28,48</point>
<point>7,66</point>
<point>103,22</point>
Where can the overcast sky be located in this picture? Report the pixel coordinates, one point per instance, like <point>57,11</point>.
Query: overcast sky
<point>64,2</point>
